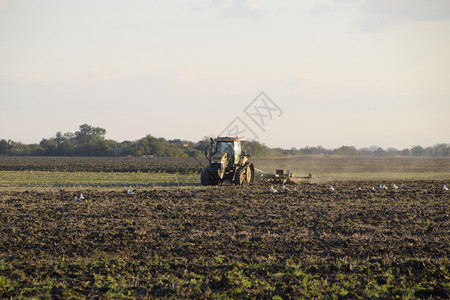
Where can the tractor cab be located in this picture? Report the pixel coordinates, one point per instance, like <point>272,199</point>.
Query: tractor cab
<point>231,147</point>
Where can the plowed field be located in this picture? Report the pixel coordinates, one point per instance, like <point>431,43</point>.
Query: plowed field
<point>228,241</point>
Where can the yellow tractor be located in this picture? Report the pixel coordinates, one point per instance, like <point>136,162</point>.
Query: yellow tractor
<point>227,162</point>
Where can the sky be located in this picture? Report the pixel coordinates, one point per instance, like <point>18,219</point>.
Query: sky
<point>286,73</point>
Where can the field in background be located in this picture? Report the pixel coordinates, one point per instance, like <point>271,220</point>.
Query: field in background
<point>98,172</point>
<point>325,168</point>
<point>152,172</point>
<point>57,179</point>
<point>101,164</point>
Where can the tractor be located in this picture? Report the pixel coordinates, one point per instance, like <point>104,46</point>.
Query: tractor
<point>227,163</point>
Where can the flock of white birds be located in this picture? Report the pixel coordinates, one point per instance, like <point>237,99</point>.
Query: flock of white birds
<point>332,189</point>
<point>285,190</point>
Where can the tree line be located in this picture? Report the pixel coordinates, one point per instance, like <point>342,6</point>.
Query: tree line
<point>90,141</point>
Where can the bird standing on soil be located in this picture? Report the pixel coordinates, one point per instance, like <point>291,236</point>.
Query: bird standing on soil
<point>295,189</point>
<point>444,188</point>
<point>331,188</point>
<point>79,199</point>
<point>403,185</point>
<point>359,189</point>
<point>285,189</point>
<point>272,190</point>
<point>383,187</point>
<point>372,189</point>
<point>394,186</point>
<point>129,191</point>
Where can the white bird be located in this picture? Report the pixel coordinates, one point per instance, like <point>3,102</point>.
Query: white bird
<point>373,189</point>
<point>383,187</point>
<point>129,191</point>
<point>403,185</point>
<point>285,188</point>
<point>272,190</point>
<point>359,189</point>
<point>444,188</point>
<point>295,189</point>
<point>76,199</point>
<point>81,196</point>
<point>331,188</point>
<point>394,186</point>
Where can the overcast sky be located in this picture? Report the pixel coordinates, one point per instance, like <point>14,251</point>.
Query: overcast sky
<point>342,72</point>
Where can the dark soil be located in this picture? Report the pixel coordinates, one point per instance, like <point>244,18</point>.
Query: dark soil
<point>228,241</point>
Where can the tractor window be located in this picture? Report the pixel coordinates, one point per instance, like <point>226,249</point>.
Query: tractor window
<point>237,149</point>
<point>226,147</point>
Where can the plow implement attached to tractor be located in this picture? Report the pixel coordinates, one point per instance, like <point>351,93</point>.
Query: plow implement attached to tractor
<point>280,176</point>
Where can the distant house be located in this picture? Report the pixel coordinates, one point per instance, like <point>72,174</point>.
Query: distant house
<point>178,142</point>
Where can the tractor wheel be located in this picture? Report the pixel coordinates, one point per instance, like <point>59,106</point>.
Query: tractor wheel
<point>250,172</point>
<point>240,177</point>
<point>207,178</point>
<point>245,175</point>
